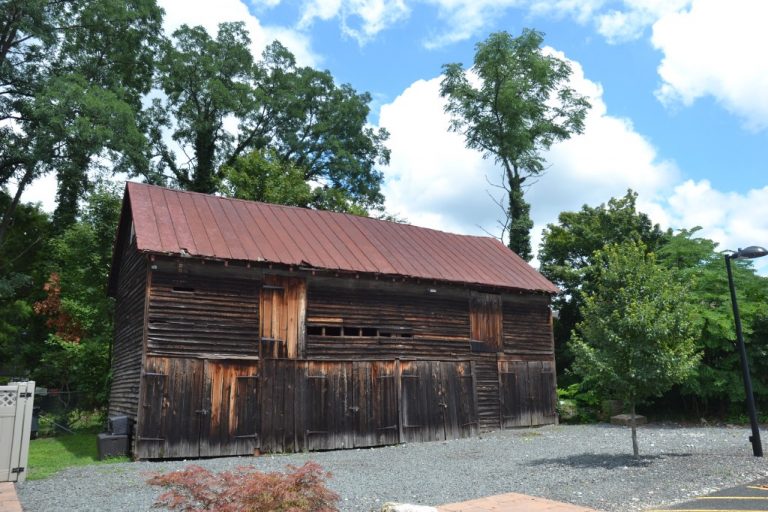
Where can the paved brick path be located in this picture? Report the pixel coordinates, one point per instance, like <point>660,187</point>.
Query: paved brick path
<point>8,500</point>
<point>512,502</point>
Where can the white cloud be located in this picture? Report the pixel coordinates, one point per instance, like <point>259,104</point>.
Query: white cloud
<point>433,180</point>
<point>360,19</point>
<point>634,17</point>
<point>716,48</point>
<point>210,14</point>
<point>734,220</point>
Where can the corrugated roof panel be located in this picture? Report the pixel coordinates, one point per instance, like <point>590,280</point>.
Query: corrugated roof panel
<point>260,232</point>
<point>226,229</point>
<point>390,247</point>
<point>203,246</point>
<point>144,221</point>
<point>231,210</point>
<point>184,235</point>
<point>165,229</point>
<point>364,245</point>
<point>167,221</point>
<point>286,249</point>
<point>210,226</point>
<point>340,242</point>
<point>315,247</point>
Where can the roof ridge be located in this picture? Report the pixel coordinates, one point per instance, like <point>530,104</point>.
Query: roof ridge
<point>285,206</point>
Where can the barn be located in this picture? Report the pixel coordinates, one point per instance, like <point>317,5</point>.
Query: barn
<point>242,326</point>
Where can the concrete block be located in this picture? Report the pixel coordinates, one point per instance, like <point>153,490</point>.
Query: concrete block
<point>625,419</point>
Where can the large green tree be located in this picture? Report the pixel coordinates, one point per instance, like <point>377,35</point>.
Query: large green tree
<point>566,256</point>
<point>72,74</point>
<point>24,258</point>
<point>291,116</point>
<point>76,306</point>
<point>521,106</point>
<point>716,386</point>
<point>637,336</point>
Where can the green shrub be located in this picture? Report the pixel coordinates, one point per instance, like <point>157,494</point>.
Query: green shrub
<point>575,405</point>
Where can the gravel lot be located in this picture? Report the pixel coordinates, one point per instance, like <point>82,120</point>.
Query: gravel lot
<point>588,465</point>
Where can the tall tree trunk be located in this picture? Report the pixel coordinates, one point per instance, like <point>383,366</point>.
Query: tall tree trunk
<point>73,184</point>
<point>204,173</point>
<point>633,424</point>
<point>519,218</point>
<point>11,209</point>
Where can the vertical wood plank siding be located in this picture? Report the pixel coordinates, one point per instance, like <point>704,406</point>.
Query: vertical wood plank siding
<point>527,390</point>
<point>325,405</point>
<point>198,408</point>
<point>202,316</point>
<point>129,332</point>
<point>486,319</point>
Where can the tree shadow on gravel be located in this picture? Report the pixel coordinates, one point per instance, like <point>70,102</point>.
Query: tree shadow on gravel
<point>603,460</point>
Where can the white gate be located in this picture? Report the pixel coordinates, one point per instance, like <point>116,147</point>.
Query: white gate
<point>15,422</point>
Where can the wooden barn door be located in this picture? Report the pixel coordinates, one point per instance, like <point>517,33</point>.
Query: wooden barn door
<point>198,408</point>
<point>527,393</point>
<point>437,400</point>
<point>485,321</point>
<point>282,308</point>
<point>231,422</point>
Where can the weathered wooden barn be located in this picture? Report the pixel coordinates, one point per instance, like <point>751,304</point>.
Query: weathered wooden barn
<point>244,326</point>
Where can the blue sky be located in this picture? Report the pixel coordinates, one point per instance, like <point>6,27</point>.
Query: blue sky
<point>679,88</point>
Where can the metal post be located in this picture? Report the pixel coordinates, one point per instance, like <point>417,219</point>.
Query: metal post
<point>757,447</point>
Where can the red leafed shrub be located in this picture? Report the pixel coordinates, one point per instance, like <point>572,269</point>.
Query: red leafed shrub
<point>301,489</point>
<point>66,327</point>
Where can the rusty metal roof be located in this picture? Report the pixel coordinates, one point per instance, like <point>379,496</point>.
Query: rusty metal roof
<point>174,222</point>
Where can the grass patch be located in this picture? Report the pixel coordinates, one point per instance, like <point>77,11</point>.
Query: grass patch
<point>50,455</point>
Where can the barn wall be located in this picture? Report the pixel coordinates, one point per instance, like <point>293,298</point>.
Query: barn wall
<point>373,362</point>
<point>382,321</point>
<point>527,326</point>
<point>203,315</point>
<point>129,332</point>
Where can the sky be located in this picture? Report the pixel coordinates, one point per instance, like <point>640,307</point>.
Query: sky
<point>679,90</point>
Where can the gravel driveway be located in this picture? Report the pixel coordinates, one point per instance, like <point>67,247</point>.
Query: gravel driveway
<point>587,465</point>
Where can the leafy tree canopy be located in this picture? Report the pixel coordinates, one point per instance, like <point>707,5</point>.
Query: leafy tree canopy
<point>520,107</point>
<point>567,249</point>
<point>717,384</point>
<point>75,355</point>
<point>637,338</point>
<point>72,74</point>
<point>295,117</point>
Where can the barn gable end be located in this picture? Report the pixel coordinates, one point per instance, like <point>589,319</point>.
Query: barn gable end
<point>242,326</point>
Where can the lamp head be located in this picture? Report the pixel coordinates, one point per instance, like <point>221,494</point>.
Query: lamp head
<point>751,252</point>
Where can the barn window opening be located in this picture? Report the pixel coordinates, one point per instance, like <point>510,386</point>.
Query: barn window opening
<point>315,330</point>
<point>332,331</point>
<point>358,332</point>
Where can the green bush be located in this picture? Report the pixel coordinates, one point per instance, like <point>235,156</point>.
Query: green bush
<point>575,405</point>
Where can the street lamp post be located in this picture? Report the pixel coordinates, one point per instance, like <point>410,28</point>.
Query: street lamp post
<point>749,252</point>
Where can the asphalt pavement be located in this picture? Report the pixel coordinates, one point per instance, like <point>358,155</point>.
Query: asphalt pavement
<point>750,497</point>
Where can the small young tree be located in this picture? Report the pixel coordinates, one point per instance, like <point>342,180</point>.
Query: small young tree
<point>637,336</point>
